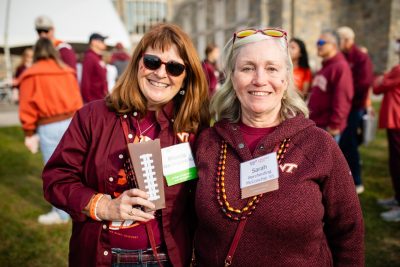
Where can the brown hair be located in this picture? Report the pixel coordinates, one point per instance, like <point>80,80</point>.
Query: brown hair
<point>44,49</point>
<point>191,109</point>
<point>210,48</point>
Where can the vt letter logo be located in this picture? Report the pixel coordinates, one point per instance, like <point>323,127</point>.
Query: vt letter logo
<point>288,167</point>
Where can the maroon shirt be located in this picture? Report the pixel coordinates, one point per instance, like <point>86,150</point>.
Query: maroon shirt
<point>134,236</point>
<point>67,53</point>
<point>332,94</point>
<point>209,70</point>
<point>94,77</point>
<point>252,135</point>
<point>362,71</point>
<point>87,161</point>
<point>313,219</point>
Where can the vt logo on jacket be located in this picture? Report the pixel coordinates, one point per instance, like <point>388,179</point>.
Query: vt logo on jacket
<point>288,167</point>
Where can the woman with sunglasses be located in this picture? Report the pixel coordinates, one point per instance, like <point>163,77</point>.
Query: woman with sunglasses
<point>161,95</point>
<point>273,189</point>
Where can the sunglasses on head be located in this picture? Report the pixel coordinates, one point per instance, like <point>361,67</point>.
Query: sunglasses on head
<point>39,31</point>
<point>321,42</point>
<point>272,32</point>
<point>153,62</point>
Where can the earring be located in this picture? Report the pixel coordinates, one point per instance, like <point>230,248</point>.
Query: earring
<point>182,92</point>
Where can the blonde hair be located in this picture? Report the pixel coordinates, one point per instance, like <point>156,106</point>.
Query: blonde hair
<point>226,105</point>
<point>191,109</point>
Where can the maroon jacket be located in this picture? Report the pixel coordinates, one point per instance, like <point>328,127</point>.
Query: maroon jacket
<point>313,219</point>
<point>67,53</point>
<point>363,76</point>
<point>94,77</point>
<point>87,161</point>
<point>389,114</point>
<point>332,94</point>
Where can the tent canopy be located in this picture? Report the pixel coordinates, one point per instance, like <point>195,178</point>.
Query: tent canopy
<point>74,21</point>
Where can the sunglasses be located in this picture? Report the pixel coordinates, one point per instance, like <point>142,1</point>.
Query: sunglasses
<point>41,30</point>
<point>321,42</point>
<point>153,62</point>
<point>272,32</point>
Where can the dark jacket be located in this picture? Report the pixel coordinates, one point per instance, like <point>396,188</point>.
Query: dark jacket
<point>94,77</point>
<point>332,94</point>
<point>87,161</point>
<point>362,71</point>
<point>313,219</point>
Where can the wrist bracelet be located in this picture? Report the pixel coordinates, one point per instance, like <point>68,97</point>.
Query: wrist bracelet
<point>93,206</point>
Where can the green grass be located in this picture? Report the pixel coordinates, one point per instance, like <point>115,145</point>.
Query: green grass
<point>23,242</point>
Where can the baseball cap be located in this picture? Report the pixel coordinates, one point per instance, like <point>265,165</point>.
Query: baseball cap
<point>43,23</point>
<point>97,36</point>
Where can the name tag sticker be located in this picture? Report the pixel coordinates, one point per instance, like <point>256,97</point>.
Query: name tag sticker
<point>259,175</point>
<point>178,164</point>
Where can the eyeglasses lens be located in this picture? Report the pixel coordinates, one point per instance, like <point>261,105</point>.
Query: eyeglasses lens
<point>153,62</point>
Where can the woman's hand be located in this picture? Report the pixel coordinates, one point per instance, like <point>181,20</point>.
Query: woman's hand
<point>126,207</point>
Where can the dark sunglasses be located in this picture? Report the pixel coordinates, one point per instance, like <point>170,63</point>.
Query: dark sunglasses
<point>321,42</point>
<point>153,62</point>
<point>42,30</point>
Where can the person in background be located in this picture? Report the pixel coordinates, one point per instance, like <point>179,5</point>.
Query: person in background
<point>120,58</point>
<point>162,95</point>
<point>45,28</point>
<point>210,67</point>
<point>308,213</point>
<point>388,84</point>
<point>49,97</point>
<point>362,73</point>
<point>332,87</point>
<point>112,72</point>
<point>25,63</point>
<point>301,69</point>
<point>94,72</point>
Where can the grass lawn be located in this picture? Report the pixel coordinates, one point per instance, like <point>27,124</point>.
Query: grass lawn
<point>26,243</point>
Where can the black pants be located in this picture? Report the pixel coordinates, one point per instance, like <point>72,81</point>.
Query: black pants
<point>394,160</point>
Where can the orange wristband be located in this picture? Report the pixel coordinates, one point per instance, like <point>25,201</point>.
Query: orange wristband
<point>93,207</point>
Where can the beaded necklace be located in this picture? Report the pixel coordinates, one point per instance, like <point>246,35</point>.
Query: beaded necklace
<point>231,212</point>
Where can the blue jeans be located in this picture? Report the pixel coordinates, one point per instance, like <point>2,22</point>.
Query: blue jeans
<point>139,253</point>
<point>349,143</point>
<point>49,136</point>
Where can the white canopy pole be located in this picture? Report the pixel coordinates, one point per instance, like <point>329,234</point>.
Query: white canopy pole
<point>7,56</point>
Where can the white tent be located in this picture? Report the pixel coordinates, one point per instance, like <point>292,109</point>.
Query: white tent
<point>74,21</point>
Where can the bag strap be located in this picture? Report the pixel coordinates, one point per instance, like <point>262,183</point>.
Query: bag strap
<point>149,230</point>
<point>235,242</point>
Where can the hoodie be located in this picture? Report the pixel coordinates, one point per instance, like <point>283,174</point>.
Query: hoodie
<point>313,219</point>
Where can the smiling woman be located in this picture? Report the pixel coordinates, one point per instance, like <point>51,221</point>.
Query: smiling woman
<point>304,210</point>
<point>91,174</point>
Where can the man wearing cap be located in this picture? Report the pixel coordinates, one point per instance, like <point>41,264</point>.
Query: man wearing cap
<point>45,28</point>
<point>94,71</point>
<point>332,87</point>
<point>362,72</point>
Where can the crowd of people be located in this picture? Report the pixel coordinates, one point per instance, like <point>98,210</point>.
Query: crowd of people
<point>275,178</point>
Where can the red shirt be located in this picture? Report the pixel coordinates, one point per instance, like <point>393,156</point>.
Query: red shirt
<point>129,234</point>
<point>332,94</point>
<point>212,78</point>
<point>389,114</point>
<point>67,53</point>
<point>362,71</point>
<point>94,77</point>
<point>301,76</point>
<point>253,135</point>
